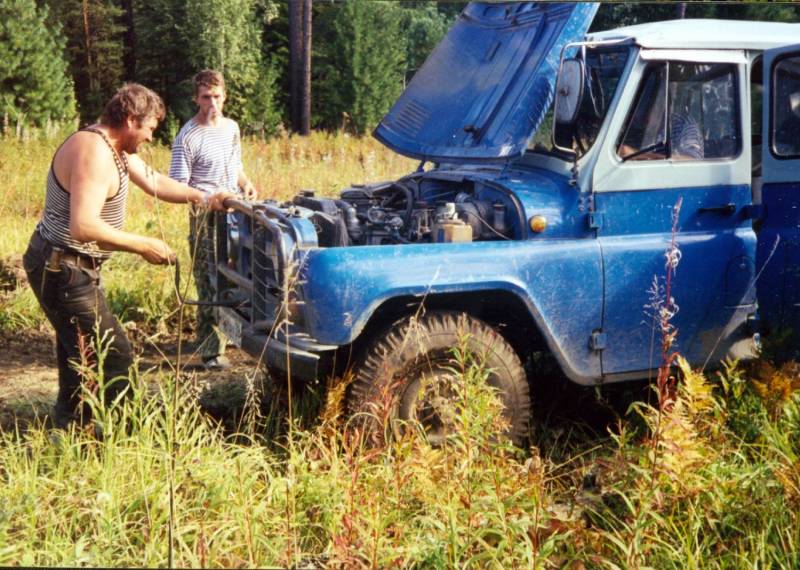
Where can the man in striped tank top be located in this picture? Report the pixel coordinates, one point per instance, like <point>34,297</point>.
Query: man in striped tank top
<point>81,225</point>
<point>207,154</point>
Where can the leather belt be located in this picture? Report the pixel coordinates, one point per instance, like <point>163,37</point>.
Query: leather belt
<point>59,256</point>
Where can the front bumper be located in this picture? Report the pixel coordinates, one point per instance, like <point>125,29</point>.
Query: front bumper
<point>295,354</point>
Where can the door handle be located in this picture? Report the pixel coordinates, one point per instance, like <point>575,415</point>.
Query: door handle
<point>725,209</point>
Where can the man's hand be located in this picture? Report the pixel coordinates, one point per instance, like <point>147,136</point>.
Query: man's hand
<point>156,251</point>
<point>250,191</point>
<point>216,201</point>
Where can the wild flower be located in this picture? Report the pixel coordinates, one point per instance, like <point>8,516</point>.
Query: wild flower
<point>776,385</point>
<point>662,308</point>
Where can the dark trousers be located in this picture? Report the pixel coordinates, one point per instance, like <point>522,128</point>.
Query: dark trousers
<point>75,304</point>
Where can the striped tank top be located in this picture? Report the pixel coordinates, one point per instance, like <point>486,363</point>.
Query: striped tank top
<point>54,225</point>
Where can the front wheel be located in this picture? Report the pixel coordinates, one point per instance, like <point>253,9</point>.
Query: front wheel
<point>409,373</point>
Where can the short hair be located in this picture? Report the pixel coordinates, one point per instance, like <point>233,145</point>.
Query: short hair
<point>132,100</point>
<point>208,78</point>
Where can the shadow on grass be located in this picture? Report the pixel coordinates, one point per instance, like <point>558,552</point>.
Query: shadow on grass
<point>569,418</point>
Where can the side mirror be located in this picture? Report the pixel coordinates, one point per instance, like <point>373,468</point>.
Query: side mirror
<point>569,90</point>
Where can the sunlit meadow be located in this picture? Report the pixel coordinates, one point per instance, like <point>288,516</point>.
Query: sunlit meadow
<point>706,478</point>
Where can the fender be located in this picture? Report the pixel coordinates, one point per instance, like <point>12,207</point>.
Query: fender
<point>560,281</point>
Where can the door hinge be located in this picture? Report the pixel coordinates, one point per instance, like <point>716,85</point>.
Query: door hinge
<point>596,220</point>
<point>597,341</point>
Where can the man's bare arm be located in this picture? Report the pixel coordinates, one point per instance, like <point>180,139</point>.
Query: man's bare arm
<point>160,186</point>
<point>89,188</point>
<point>169,190</point>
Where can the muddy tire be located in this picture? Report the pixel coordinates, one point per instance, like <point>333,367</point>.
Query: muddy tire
<point>387,381</point>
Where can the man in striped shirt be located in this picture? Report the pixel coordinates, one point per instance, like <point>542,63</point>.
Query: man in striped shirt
<point>207,154</point>
<point>686,137</point>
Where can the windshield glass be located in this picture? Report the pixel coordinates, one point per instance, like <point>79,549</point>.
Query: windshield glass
<point>603,70</point>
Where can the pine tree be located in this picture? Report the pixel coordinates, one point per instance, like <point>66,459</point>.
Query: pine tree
<point>617,14</point>
<point>94,30</point>
<point>162,58</point>
<point>360,63</point>
<point>34,83</point>
<point>275,42</point>
<point>300,22</point>
<point>425,25</point>
<point>225,35</point>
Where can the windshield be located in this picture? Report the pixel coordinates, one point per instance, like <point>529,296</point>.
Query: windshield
<point>603,70</point>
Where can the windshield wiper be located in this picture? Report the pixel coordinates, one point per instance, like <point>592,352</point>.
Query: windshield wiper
<point>660,146</point>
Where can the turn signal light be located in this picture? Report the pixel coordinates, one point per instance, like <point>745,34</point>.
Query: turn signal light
<point>538,224</point>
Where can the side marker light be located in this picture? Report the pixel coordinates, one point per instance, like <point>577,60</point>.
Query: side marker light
<point>538,224</point>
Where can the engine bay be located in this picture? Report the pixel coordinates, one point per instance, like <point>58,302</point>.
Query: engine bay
<point>412,210</point>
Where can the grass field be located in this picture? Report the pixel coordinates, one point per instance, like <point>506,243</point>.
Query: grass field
<point>707,479</point>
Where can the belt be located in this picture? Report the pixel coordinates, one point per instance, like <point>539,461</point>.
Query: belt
<point>59,256</point>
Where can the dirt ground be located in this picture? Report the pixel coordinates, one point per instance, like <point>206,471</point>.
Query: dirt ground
<point>29,378</point>
<point>28,386</point>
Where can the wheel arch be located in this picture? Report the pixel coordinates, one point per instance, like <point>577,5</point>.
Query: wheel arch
<point>503,310</point>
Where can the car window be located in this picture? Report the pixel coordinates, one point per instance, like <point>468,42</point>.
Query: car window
<point>683,111</point>
<point>646,135</point>
<point>786,107</point>
<point>603,71</point>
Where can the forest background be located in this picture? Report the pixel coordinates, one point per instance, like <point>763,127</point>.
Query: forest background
<point>62,59</point>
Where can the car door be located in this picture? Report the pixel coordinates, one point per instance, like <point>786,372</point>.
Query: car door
<point>778,256</point>
<point>678,150</point>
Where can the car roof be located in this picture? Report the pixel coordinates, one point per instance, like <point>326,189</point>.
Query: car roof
<point>706,34</point>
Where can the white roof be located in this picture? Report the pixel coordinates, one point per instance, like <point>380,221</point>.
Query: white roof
<point>707,34</point>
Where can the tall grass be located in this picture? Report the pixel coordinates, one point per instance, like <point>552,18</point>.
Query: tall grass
<point>718,501</point>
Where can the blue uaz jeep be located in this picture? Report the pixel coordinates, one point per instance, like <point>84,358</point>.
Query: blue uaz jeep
<point>552,164</point>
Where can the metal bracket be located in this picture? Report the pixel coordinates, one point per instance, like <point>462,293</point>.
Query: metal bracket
<point>754,323</point>
<point>597,341</point>
<point>753,212</point>
<point>596,220</point>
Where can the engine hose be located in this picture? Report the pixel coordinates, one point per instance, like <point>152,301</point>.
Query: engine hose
<point>408,194</point>
<point>396,235</point>
<point>409,204</point>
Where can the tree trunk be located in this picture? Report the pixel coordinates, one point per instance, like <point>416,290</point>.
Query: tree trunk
<point>129,40</point>
<point>305,95</point>
<point>680,10</point>
<point>87,44</point>
<point>295,61</point>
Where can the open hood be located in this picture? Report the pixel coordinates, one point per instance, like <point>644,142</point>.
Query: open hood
<point>486,87</point>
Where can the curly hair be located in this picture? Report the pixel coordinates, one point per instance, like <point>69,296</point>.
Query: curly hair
<point>208,78</point>
<point>132,100</point>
